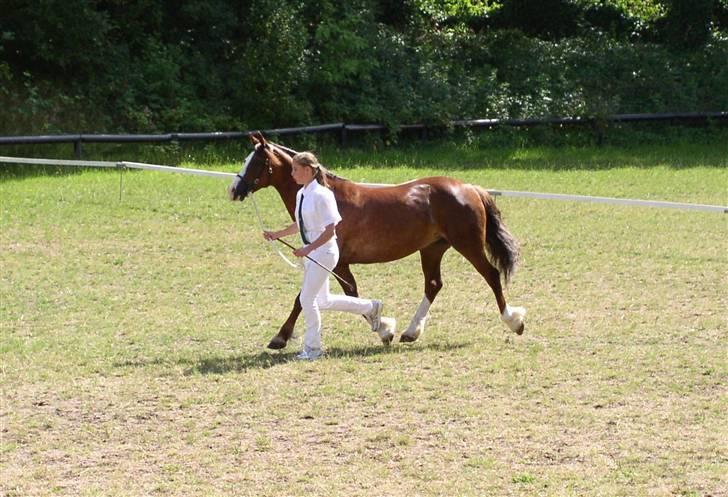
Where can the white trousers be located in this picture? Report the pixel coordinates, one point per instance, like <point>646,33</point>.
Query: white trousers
<point>315,295</point>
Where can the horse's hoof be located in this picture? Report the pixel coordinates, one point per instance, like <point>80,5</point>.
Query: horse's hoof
<point>515,319</point>
<point>407,339</point>
<point>386,330</point>
<point>277,343</point>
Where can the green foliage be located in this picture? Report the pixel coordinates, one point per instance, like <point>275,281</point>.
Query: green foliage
<point>113,66</point>
<point>551,19</point>
<point>687,23</point>
<point>343,64</point>
<point>441,9</point>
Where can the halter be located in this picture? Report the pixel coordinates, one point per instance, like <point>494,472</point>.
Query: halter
<point>256,175</point>
<point>260,223</point>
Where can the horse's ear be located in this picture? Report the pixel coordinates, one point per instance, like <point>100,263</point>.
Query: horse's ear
<point>261,139</point>
<point>253,138</point>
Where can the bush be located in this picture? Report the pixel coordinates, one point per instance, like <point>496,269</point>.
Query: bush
<point>86,66</point>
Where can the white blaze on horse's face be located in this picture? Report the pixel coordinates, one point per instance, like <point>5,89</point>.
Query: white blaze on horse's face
<point>234,185</point>
<point>246,164</point>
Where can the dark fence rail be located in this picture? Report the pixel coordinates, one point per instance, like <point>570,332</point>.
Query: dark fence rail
<point>343,129</point>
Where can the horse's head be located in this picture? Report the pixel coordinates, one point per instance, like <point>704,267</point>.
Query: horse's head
<point>258,169</point>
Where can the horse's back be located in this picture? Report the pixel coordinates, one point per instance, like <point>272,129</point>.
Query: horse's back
<point>384,222</point>
<point>388,222</point>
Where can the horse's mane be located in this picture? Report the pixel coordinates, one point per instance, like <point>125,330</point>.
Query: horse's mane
<point>292,152</point>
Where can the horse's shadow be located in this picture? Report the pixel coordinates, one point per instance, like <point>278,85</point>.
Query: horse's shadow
<point>264,360</point>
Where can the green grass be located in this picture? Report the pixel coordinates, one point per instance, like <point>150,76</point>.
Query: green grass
<point>133,340</point>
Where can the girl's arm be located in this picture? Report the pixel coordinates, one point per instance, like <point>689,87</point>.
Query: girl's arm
<point>274,235</point>
<point>327,235</point>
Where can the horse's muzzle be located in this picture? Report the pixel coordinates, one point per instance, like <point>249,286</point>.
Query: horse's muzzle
<point>238,190</point>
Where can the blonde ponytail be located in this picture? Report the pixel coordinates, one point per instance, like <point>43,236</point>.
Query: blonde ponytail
<point>307,159</point>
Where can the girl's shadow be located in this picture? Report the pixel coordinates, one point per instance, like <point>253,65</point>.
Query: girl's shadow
<point>265,360</point>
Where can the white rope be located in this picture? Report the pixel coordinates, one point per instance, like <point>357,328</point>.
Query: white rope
<point>178,170</point>
<point>121,165</point>
<point>272,245</point>
<point>504,193</point>
<point>58,162</point>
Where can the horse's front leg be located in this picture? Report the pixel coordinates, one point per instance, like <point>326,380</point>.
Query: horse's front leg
<point>286,332</point>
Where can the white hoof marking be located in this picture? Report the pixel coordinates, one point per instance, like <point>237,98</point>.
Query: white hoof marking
<point>417,326</point>
<point>387,330</point>
<point>514,317</point>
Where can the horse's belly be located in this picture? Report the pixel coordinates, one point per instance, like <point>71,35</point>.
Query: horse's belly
<point>383,248</point>
<point>394,226</point>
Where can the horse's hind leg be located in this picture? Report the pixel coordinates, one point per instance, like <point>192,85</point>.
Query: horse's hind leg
<point>475,254</point>
<point>430,257</point>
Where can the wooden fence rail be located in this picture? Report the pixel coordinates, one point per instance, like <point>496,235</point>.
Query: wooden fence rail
<point>343,129</point>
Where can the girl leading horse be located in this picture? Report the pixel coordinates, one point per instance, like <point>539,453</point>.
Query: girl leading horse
<point>386,223</point>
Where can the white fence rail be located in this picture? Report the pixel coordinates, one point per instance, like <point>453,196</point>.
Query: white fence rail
<point>505,193</point>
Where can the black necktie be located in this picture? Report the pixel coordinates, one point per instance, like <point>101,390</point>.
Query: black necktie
<point>300,221</point>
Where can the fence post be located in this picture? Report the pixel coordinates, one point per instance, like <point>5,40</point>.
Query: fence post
<point>342,135</point>
<point>77,148</point>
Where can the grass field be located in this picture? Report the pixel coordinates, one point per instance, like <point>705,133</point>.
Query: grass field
<point>133,340</point>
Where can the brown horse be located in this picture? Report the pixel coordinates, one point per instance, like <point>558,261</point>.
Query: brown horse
<point>386,223</point>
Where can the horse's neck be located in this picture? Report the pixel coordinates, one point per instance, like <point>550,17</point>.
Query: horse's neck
<point>287,190</point>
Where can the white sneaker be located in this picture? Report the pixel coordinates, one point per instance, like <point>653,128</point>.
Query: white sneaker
<point>309,354</point>
<point>375,315</point>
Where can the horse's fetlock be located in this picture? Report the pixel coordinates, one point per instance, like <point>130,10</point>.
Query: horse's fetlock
<point>277,343</point>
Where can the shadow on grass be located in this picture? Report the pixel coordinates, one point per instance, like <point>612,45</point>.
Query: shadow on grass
<point>266,360</point>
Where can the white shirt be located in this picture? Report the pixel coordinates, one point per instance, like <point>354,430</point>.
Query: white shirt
<point>318,210</point>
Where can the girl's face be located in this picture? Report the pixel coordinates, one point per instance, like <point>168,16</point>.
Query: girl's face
<point>302,175</point>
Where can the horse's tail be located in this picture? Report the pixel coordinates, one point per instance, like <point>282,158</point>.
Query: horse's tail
<point>502,248</point>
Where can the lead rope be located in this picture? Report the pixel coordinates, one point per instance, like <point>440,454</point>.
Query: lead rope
<point>272,245</point>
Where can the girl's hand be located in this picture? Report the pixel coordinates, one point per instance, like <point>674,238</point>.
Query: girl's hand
<point>303,251</point>
<point>270,235</point>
